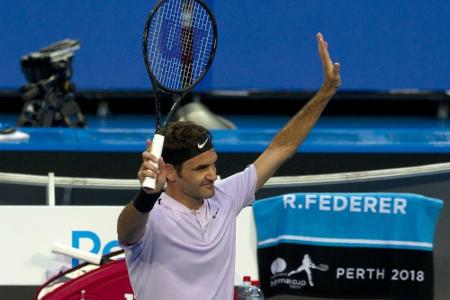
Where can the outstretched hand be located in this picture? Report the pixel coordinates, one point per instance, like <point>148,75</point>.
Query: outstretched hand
<point>331,71</point>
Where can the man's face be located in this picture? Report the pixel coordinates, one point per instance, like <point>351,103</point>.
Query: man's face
<point>197,176</point>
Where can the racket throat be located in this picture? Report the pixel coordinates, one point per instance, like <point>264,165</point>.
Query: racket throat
<point>176,103</point>
<point>160,130</point>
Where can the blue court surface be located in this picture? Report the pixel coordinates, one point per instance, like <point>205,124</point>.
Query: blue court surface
<point>127,133</point>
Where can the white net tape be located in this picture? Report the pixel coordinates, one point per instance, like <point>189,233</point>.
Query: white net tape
<point>274,182</point>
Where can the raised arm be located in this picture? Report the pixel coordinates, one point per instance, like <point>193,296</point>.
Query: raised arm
<point>133,219</point>
<point>288,139</point>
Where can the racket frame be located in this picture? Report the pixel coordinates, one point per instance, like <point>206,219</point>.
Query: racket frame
<point>145,49</point>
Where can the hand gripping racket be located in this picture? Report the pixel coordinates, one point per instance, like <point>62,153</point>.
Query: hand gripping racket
<point>179,43</point>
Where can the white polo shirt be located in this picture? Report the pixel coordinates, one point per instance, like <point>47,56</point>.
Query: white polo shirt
<point>188,254</point>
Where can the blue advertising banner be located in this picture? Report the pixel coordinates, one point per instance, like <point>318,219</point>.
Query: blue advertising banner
<point>382,45</point>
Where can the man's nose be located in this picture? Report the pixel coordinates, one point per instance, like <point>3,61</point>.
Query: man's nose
<point>211,175</point>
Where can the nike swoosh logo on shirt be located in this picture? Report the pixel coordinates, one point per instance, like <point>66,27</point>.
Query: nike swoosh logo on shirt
<point>200,146</point>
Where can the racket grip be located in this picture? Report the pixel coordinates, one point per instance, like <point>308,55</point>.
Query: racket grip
<point>77,253</point>
<point>156,150</point>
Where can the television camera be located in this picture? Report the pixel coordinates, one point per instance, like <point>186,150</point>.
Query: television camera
<point>49,95</point>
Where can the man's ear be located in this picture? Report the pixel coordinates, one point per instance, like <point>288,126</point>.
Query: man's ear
<point>171,173</point>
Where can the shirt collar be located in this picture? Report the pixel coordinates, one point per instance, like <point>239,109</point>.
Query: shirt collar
<point>171,203</point>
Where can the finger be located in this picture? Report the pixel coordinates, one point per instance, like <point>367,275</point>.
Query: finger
<point>323,52</point>
<point>162,167</point>
<point>336,68</point>
<point>142,174</point>
<point>161,163</point>
<point>326,56</point>
<point>162,176</point>
<point>323,49</point>
<point>336,74</point>
<point>148,173</point>
<point>148,156</point>
<point>149,165</point>
<point>319,35</point>
<point>319,43</point>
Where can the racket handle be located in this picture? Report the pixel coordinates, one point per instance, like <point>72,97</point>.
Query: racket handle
<point>156,150</point>
<point>77,253</point>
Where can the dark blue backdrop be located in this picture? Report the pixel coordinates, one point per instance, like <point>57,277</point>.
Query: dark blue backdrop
<point>263,44</point>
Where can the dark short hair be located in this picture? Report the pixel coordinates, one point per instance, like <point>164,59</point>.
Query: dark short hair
<point>182,141</point>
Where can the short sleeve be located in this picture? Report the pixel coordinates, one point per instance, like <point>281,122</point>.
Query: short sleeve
<point>135,251</point>
<point>241,186</point>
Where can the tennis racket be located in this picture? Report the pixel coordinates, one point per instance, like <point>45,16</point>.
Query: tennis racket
<point>179,44</point>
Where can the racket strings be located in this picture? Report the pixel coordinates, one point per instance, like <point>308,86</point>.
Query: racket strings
<point>180,42</point>
<point>187,36</point>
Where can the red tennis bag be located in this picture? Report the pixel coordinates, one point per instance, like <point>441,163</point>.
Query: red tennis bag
<point>107,281</point>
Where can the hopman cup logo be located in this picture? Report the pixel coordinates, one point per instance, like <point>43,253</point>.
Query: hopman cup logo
<point>281,276</point>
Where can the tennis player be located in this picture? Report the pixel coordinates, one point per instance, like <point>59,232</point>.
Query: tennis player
<point>180,243</point>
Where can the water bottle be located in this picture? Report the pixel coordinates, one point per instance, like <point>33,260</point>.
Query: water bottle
<point>243,292</point>
<point>256,293</point>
